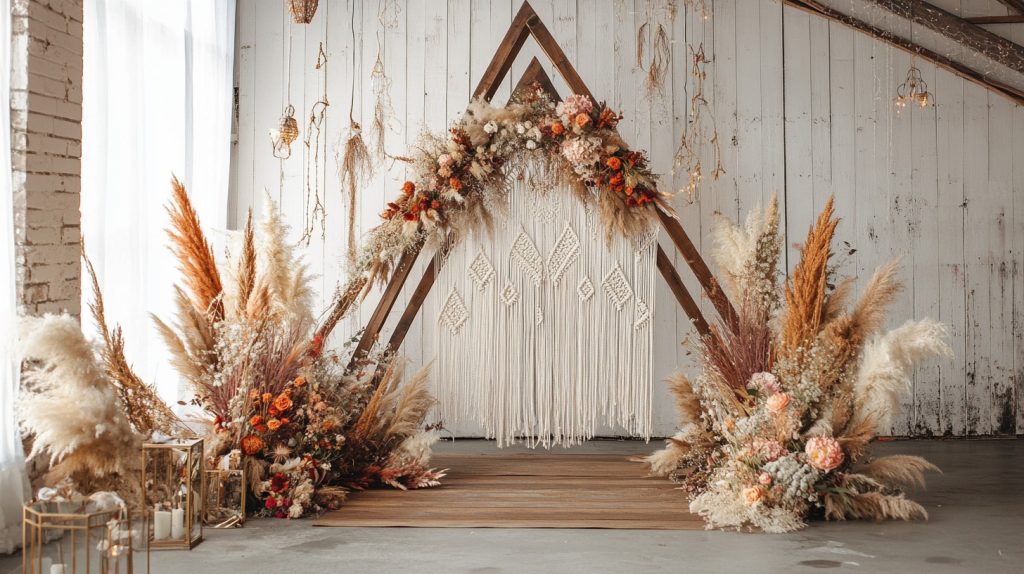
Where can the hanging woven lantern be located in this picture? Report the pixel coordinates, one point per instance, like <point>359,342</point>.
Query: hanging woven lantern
<point>287,132</point>
<point>302,10</point>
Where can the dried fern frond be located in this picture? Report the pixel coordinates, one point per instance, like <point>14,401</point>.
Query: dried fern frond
<point>145,410</point>
<point>687,401</point>
<point>805,292</point>
<point>246,269</point>
<point>194,253</point>
<point>898,471</point>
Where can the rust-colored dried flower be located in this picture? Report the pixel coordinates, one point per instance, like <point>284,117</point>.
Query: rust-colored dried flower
<point>252,445</point>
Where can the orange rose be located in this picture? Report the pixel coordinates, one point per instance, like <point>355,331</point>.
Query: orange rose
<point>408,187</point>
<point>752,495</point>
<point>299,381</point>
<point>582,120</point>
<point>282,402</point>
<point>455,183</point>
<point>614,162</point>
<point>557,128</point>
<point>778,403</point>
<point>273,424</point>
<point>252,444</point>
<point>328,425</point>
<point>256,420</point>
<point>267,397</point>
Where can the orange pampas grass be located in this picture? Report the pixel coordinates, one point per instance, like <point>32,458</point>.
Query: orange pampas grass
<point>194,253</point>
<point>805,292</point>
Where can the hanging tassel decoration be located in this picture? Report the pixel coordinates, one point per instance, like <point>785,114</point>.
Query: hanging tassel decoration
<point>356,168</point>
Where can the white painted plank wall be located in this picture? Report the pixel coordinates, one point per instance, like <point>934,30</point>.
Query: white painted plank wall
<point>803,108</point>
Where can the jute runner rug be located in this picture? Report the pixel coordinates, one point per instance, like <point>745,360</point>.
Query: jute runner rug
<point>530,490</point>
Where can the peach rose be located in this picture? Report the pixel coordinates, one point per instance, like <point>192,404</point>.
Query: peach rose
<point>824,453</point>
<point>764,478</point>
<point>300,380</point>
<point>256,420</point>
<point>557,128</point>
<point>282,403</point>
<point>582,120</point>
<point>752,495</point>
<point>273,424</point>
<point>778,403</point>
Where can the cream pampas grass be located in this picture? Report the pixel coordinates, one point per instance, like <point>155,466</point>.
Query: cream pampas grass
<point>287,281</point>
<point>898,470</point>
<point>888,364</point>
<point>667,460</point>
<point>748,256</point>
<point>69,404</point>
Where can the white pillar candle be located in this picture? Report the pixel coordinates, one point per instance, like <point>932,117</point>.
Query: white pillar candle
<point>161,524</point>
<point>46,565</point>
<point>178,523</point>
<point>57,569</point>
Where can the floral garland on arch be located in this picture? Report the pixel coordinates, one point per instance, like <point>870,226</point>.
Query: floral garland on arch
<point>777,425</point>
<point>460,180</point>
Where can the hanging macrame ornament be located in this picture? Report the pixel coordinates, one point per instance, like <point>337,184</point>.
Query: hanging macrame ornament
<point>383,113</point>
<point>302,10</point>
<point>286,133</point>
<point>356,167</point>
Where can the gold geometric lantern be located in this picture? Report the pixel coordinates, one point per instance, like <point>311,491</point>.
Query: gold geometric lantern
<point>172,486</point>
<point>302,10</point>
<point>74,537</point>
<point>224,493</point>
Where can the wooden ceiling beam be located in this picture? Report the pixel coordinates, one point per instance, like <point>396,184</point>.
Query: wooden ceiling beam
<point>982,41</point>
<point>820,9</point>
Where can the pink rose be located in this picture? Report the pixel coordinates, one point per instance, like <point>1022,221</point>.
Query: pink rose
<point>764,478</point>
<point>445,160</point>
<point>765,382</point>
<point>768,449</point>
<point>778,403</point>
<point>824,453</point>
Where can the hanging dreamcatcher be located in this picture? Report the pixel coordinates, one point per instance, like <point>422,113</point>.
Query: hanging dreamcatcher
<point>688,155</point>
<point>316,147</point>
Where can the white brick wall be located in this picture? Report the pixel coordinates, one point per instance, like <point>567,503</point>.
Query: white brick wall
<point>46,142</point>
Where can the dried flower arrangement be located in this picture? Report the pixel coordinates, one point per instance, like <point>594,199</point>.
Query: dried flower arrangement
<point>308,429</point>
<point>777,425</point>
<point>460,179</point>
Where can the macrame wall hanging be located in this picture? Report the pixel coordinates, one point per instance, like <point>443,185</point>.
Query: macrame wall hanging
<point>302,11</point>
<point>316,150</point>
<point>544,330</point>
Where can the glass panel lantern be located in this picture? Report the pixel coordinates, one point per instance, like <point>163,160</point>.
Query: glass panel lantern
<point>224,498</point>
<point>172,487</point>
<point>73,537</point>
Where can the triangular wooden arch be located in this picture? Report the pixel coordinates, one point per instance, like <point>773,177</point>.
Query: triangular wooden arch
<point>525,24</point>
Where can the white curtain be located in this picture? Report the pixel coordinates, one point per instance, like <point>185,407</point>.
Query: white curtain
<point>157,102</point>
<point>14,487</point>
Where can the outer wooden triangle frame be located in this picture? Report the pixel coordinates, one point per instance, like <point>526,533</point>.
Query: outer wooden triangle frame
<point>525,24</point>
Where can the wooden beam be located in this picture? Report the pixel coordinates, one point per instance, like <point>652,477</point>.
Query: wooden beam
<point>1017,5</point>
<point>506,53</point>
<point>816,7</point>
<point>557,56</point>
<point>1017,19</point>
<point>975,37</point>
<point>668,271</point>
<point>387,301</point>
<point>698,266</point>
<point>535,73</point>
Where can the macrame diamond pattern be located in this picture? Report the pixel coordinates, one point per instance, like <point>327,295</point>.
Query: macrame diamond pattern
<point>538,315</point>
<point>454,312</point>
<point>585,289</point>
<point>564,253</point>
<point>643,315</point>
<point>526,254</point>
<point>481,271</point>
<point>617,287</point>
<point>509,296</point>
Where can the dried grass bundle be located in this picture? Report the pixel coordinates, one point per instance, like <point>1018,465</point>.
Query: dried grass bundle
<point>667,460</point>
<point>806,290</point>
<point>356,168</point>
<point>873,505</point>
<point>70,406</point>
<point>192,342</point>
<point>687,400</point>
<point>195,256</point>
<point>246,269</point>
<point>287,280</point>
<point>145,410</point>
<point>888,364</point>
<point>748,257</point>
<point>661,56</point>
<point>898,471</point>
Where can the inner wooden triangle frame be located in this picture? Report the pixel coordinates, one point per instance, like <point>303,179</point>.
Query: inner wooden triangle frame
<point>525,24</point>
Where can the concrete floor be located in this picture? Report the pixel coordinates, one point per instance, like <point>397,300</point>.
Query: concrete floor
<point>977,525</point>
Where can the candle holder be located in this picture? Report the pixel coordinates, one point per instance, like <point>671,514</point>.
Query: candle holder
<point>172,486</point>
<point>74,537</point>
<point>224,494</point>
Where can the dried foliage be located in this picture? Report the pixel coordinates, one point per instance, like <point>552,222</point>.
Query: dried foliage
<point>783,411</point>
<point>246,269</point>
<point>194,254</point>
<point>70,406</point>
<point>145,410</point>
<point>356,168</point>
